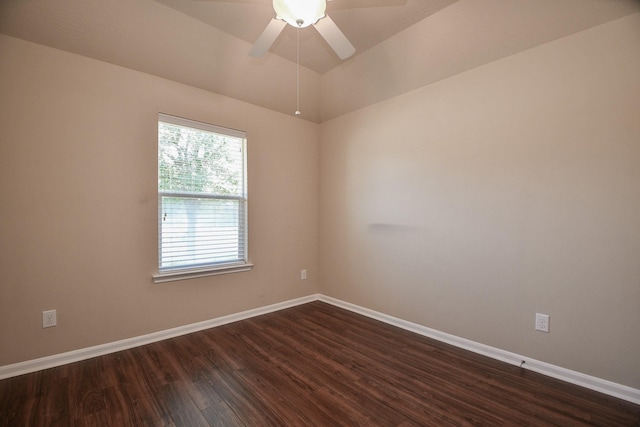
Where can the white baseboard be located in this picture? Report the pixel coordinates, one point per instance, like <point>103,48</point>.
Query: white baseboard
<point>573,377</point>
<point>100,350</point>
<point>603,386</point>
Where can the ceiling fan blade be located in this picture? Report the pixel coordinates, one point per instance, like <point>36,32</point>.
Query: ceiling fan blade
<point>268,36</point>
<point>336,39</point>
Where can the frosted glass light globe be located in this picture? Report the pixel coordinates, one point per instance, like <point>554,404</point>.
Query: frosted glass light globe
<point>300,13</point>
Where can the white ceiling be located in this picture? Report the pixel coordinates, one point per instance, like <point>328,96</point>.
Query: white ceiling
<point>401,44</point>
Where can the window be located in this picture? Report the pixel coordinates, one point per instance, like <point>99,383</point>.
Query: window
<point>202,199</point>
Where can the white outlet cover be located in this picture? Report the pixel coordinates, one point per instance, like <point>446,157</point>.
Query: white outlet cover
<point>49,319</point>
<point>542,322</point>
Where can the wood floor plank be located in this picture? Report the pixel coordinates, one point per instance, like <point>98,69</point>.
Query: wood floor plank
<point>85,389</point>
<point>311,365</point>
<point>181,407</point>
<point>221,415</point>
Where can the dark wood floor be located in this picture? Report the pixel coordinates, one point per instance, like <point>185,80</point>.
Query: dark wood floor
<point>312,365</point>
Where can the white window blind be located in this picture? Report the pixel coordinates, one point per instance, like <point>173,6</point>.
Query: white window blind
<point>202,196</point>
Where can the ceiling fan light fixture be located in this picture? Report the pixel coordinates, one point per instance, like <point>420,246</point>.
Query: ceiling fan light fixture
<point>300,13</point>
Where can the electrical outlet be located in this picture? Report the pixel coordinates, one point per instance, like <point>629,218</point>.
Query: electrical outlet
<point>303,274</point>
<point>542,322</point>
<point>49,319</point>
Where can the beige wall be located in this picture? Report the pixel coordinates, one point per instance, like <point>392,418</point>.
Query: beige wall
<point>471,204</point>
<point>78,204</point>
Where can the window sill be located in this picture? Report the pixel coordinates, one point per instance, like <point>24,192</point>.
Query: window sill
<point>171,276</point>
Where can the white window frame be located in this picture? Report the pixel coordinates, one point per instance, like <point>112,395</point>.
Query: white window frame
<point>180,273</point>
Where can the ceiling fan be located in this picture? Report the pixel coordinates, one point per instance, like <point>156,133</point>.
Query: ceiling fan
<point>301,14</point>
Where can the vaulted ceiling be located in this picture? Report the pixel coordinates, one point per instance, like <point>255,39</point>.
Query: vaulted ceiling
<point>400,44</point>
<point>364,22</point>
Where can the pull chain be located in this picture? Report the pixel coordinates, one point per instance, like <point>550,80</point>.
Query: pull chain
<point>297,113</point>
